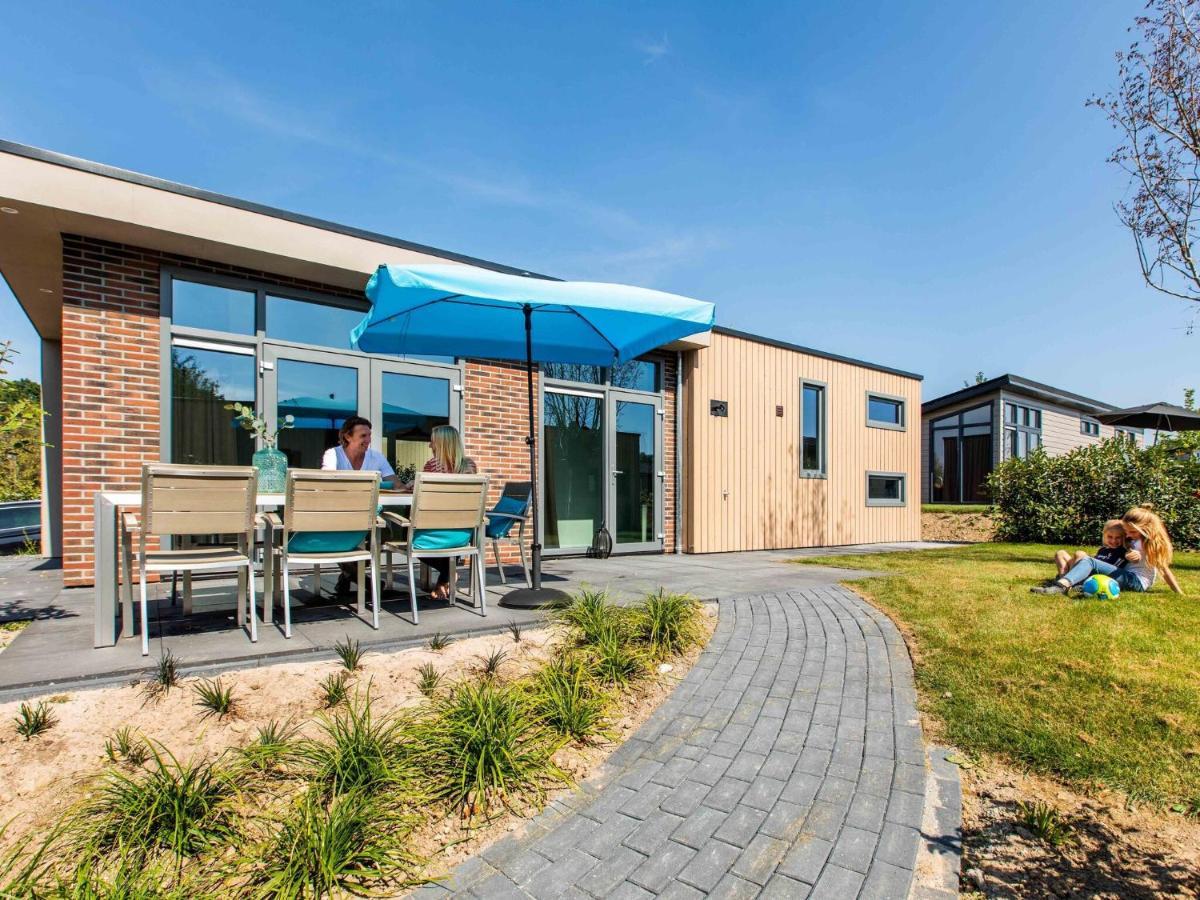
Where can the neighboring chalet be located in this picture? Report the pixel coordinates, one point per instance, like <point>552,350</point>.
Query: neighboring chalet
<point>966,434</point>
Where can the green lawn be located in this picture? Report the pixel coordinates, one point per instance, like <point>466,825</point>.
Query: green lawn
<point>959,508</point>
<point>1089,691</point>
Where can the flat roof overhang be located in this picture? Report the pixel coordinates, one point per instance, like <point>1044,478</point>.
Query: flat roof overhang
<point>53,194</point>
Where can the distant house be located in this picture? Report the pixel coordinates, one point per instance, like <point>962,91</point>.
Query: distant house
<point>966,434</point>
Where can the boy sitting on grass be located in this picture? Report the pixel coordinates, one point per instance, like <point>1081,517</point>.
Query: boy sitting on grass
<point>1112,551</point>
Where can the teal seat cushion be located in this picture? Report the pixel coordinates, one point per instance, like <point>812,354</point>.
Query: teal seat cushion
<point>441,538</point>
<point>326,541</point>
<point>500,526</point>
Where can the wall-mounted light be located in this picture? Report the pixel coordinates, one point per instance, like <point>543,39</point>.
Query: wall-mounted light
<point>9,210</point>
<point>46,290</point>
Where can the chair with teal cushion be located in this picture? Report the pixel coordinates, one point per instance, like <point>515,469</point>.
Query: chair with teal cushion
<point>446,522</point>
<point>329,518</point>
<point>511,509</point>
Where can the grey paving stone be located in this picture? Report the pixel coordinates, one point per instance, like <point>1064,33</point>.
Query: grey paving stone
<point>710,864</point>
<point>710,769</point>
<point>801,788</point>
<point>909,777</point>
<point>785,821</point>
<point>836,790</point>
<point>838,882</point>
<point>646,801</point>
<point>611,871</point>
<point>886,882</point>
<point>781,887</point>
<point>698,827</point>
<point>606,836</point>
<point>898,845</point>
<point>854,849</point>
<point>499,886</point>
<point>653,832</point>
<point>867,811</point>
<point>806,858</point>
<point>759,859</point>
<point>733,888</point>
<point>554,880</point>
<point>627,890</point>
<point>825,819</point>
<point>741,826</point>
<point>678,890</point>
<point>726,793</point>
<point>662,866</point>
<point>905,808</point>
<point>779,764</point>
<point>685,799</point>
<point>764,792</point>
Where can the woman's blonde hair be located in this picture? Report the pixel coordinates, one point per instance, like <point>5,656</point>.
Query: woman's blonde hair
<point>448,448</point>
<point>1155,540</point>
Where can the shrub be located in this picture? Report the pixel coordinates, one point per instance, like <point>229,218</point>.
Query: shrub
<point>667,623</point>
<point>615,660</point>
<point>566,698</point>
<point>215,698</point>
<point>334,689</point>
<point>164,677</point>
<point>484,744</point>
<point>428,679</point>
<point>439,641</point>
<point>1066,499</point>
<point>515,629</point>
<point>350,653</point>
<point>270,748</point>
<point>33,720</point>
<point>1044,821</point>
<point>123,747</point>
<point>344,847</point>
<point>489,666</point>
<point>590,618</point>
<point>356,750</point>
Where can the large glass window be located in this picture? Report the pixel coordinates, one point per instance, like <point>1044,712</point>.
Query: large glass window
<point>196,305</point>
<point>574,372</point>
<point>305,322</point>
<point>812,429</point>
<point>320,397</point>
<point>573,441</point>
<point>1022,429</point>
<point>636,375</point>
<point>203,432</point>
<point>413,405</point>
<point>635,477</point>
<point>960,456</point>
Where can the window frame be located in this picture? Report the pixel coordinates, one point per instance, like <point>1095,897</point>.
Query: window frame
<point>1011,428</point>
<point>901,403</point>
<point>1086,423</point>
<point>884,502</point>
<point>957,429</point>
<point>822,470</point>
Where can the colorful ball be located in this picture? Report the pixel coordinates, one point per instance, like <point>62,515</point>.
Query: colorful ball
<point>1102,588</point>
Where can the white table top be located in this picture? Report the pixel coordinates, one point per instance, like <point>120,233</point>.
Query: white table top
<point>134,498</point>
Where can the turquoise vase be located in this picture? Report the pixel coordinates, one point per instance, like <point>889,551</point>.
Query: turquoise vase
<point>272,470</point>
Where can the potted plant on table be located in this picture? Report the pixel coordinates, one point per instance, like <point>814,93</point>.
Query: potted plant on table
<point>270,462</point>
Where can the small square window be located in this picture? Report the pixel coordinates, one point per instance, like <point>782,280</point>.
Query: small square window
<point>1090,428</point>
<point>885,489</point>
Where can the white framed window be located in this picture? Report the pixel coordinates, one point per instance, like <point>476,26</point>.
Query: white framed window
<point>1090,427</point>
<point>887,489</point>
<point>886,411</point>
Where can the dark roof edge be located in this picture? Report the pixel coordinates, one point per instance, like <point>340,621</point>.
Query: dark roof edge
<point>784,345</point>
<point>105,171</point>
<point>1022,385</point>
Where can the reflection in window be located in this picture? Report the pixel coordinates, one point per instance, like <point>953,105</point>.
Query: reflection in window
<point>636,375</point>
<point>413,406</point>
<point>636,477</point>
<point>573,441</point>
<point>203,432</point>
<point>574,372</point>
<point>960,458</point>
<point>885,411</point>
<point>215,308</point>
<point>320,398</point>
<point>812,429</point>
<point>305,322</point>
<point>885,489</point>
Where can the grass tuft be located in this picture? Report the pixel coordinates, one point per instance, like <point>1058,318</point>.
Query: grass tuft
<point>33,720</point>
<point>568,701</point>
<point>428,679</point>
<point>668,624</point>
<point>483,746</point>
<point>215,698</point>
<point>124,747</point>
<point>271,747</point>
<point>490,664</point>
<point>615,661</point>
<point>1045,822</point>
<point>350,652</point>
<point>335,688</point>
<point>590,618</point>
<point>356,751</point>
<point>165,675</point>
<point>515,629</point>
<point>439,641</point>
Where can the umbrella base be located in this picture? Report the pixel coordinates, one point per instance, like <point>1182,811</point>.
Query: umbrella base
<point>534,598</point>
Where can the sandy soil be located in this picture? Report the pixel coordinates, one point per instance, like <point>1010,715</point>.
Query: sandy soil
<point>1115,850</point>
<point>41,777</point>
<point>956,527</point>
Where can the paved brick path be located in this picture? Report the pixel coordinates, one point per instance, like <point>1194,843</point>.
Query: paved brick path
<point>788,763</point>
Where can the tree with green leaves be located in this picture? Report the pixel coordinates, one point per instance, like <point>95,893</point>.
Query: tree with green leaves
<point>20,433</point>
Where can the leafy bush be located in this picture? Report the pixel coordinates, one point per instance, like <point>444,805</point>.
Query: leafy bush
<point>566,697</point>
<point>590,618</point>
<point>356,750</point>
<point>165,677</point>
<point>350,652</point>
<point>33,720</point>
<point>1066,499</point>
<point>428,679</point>
<point>270,748</point>
<point>667,623</point>
<point>215,698</point>
<point>124,747</point>
<point>335,688</point>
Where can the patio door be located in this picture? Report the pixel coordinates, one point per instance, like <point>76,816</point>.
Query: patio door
<point>636,473</point>
<point>403,400</point>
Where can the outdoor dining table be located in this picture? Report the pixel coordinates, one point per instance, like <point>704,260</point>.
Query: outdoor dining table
<point>107,505</point>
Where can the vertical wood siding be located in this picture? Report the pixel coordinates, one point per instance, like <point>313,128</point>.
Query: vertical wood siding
<point>744,488</point>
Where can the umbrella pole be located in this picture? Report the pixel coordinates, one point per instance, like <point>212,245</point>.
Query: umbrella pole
<point>535,596</point>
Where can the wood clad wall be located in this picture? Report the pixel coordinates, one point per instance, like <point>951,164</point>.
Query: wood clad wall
<point>744,490</point>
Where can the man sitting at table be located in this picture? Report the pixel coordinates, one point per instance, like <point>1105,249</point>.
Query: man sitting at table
<point>354,451</point>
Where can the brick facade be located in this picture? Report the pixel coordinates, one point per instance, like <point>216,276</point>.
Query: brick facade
<point>111,359</point>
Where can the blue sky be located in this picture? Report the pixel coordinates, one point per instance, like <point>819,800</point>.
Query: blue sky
<point>915,184</point>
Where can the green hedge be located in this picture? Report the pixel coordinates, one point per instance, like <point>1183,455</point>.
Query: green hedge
<point>1066,499</point>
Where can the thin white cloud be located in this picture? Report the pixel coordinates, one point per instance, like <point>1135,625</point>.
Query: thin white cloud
<point>653,50</point>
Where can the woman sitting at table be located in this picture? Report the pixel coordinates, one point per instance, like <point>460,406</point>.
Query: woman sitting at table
<point>449,457</point>
<point>354,451</point>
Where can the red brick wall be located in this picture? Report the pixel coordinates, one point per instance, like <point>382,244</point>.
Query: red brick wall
<point>111,359</point>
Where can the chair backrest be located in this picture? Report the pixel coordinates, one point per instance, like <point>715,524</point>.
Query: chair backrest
<point>320,500</point>
<point>448,501</point>
<point>181,499</point>
<point>514,500</point>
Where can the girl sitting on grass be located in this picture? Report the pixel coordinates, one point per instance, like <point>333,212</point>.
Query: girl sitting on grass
<point>1149,553</point>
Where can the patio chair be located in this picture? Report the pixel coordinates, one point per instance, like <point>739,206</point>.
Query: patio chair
<point>446,522</point>
<point>511,509</point>
<point>327,517</point>
<point>186,501</point>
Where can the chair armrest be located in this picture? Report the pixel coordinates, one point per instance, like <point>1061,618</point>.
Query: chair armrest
<point>380,522</point>
<point>129,521</point>
<point>500,515</point>
<point>396,519</point>
<point>272,520</point>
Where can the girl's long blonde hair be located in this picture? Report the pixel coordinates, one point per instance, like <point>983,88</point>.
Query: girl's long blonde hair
<point>1155,541</point>
<point>448,448</point>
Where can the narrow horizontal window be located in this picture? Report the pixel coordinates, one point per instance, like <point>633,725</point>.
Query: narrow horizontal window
<point>885,489</point>
<point>1090,428</point>
<point>885,412</point>
<point>196,305</point>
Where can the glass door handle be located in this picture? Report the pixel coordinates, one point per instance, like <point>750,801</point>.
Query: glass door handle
<point>618,472</point>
